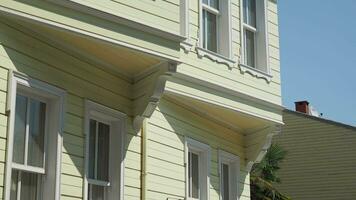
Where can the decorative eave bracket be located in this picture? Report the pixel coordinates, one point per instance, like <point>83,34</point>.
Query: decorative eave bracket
<point>146,105</point>
<point>263,146</point>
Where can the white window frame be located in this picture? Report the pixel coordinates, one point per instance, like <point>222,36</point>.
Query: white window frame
<point>54,99</point>
<point>117,122</point>
<point>261,68</point>
<point>203,150</point>
<point>224,33</point>
<point>233,161</point>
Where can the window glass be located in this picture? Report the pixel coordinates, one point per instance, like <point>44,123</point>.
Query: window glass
<point>20,129</point>
<point>92,148</point>
<point>214,4</point>
<point>210,31</point>
<point>36,136</point>
<point>249,12</point>
<point>103,151</point>
<point>99,151</point>
<point>27,185</point>
<point>96,192</point>
<point>225,181</point>
<point>14,181</point>
<point>250,48</point>
<point>193,175</point>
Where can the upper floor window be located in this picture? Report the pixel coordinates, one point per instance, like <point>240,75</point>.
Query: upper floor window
<point>198,159</point>
<point>215,26</point>
<point>210,17</point>
<point>104,157</point>
<point>254,36</point>
<point>34,141</point>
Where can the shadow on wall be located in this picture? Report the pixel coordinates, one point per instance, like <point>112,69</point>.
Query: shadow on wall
<point>25,53</point>
<point>168,127</point>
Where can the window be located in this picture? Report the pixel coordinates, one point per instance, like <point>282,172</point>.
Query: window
<point>197,159</point>
<point>193,171</point>
<point>33,155</point>
<point>229,170</point>
<point>210,18</point>
<point>104,157</point>
<point>216,27</point>
<point>254,37</point>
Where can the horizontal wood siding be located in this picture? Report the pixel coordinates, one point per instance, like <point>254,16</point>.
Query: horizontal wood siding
<point>162,14</point>
<point>23,52</point>
<point>320,163</point>
<point>167,129</point>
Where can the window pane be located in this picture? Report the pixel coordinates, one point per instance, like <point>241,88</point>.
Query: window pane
<point>206,2</point>
<point>209,31</point>
<point>194,175</point>
<point>96,192</point>
<point>36,133</point>
<point>92,139</point>
<point>225,181</point>
<point>249,12</point>
<point>14,181</point>
<point>29,184</point>
<point>250,48</point>
<point>103,152</point>
<point>20,129</point>
<point>214,4</point>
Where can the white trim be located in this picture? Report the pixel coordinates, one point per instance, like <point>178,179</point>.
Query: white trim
<point>218,58</point>
<point>233,161</point>
<point>57,97</point>
<point>186,45</point>
<point>116,119</point>
<point>255,72</point>
<point>204,151</point>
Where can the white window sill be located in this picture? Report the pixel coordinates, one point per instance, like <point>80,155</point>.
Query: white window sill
<point>255,72</point>
<point>215,57</point>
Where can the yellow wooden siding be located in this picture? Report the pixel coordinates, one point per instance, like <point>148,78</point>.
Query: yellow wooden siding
<point>25,53</point>
<point>166,132</point>
<point>320,163</point>
<point>163,15</point>
<point>91,24</point>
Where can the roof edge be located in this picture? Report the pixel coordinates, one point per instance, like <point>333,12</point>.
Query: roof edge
<point>320,119</point>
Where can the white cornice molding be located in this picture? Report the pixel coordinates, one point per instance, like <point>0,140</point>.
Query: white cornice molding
<point>255,72</point>
<point>215,57</point>
<point>86,7</point>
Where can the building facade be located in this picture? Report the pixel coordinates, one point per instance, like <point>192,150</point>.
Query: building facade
<point>320,160</point>
<point>119,99</point>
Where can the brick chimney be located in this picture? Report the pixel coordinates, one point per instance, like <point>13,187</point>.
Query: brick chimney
<point>302,106</point>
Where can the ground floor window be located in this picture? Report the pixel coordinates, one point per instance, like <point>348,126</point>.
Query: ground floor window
<point>105,130</point>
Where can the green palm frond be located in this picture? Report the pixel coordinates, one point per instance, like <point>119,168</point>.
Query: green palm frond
<point>264,174</point>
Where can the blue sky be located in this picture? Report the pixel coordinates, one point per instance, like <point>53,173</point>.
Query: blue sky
<point>318,56</point>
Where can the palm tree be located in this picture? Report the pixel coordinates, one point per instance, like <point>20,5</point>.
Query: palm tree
<point>263,175</point>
